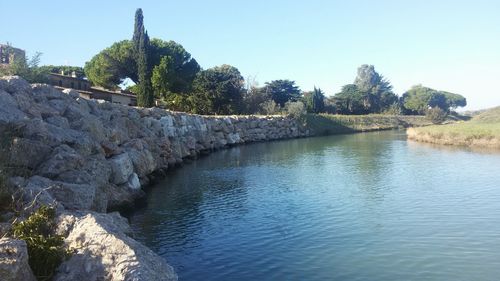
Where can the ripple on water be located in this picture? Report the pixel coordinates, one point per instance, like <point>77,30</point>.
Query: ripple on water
<point>359,207</point>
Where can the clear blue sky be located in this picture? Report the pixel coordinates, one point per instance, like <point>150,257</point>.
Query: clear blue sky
<point>447,45</point>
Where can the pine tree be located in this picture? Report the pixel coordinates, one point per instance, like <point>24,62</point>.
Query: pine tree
<point>145,95</point>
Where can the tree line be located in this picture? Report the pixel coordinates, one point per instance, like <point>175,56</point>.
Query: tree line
<point>165,74</point>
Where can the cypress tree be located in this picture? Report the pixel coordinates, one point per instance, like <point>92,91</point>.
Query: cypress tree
<point>145,97</point>
<point>138,29</point>
<point>318,102</point>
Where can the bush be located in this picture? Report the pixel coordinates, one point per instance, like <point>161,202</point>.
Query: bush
<point>45,249</point>
<point>295,109</point>
<point>436,115</point>
<point>269,107</point>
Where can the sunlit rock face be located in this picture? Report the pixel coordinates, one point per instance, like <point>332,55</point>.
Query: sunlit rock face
<point>88,157</point>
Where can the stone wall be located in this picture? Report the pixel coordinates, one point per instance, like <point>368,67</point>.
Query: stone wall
<point>89,155</point>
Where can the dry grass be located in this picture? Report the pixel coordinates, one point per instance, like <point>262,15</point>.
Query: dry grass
<point>482,131</point>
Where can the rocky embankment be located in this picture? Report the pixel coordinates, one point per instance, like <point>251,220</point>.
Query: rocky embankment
<point>90,157</point>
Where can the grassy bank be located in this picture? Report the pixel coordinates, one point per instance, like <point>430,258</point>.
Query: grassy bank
<point>327,124</point>
<point>482,131</point>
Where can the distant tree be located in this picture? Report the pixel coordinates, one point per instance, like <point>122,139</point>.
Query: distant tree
<point>377,91</point>
<point>139,30</point>
<point>318,100</point>
<point>370,93</point>
<point>416,100</point>
<point>183,68</point>
<point>419,99</point>
<point>295,109</point>
<point>314,101</point>
<point>118,62</point>
<point>269,107</point>
<point>350,100</point>
<point>254,96</point>
<point>26,68</point>
<point>218,90</point>
<point>68,70</point>
<point>330,106</point>
<point>145,95</point>
<point>282,91</point>
<point>113,65</point>
<point>436,115</point>
<point>162,77</point>
<point>454,100</point>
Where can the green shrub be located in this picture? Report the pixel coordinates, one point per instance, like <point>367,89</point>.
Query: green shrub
<point>269,107</point>
<point>295,109</point>
<point>45,249</point>
<point>436,115</point>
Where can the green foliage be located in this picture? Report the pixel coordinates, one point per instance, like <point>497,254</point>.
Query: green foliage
<point>350,100</point>
<point>436,115</point>
<point>181,66</point>
<point>254,98</point>
<point>295,109</point>
<point>162,77</point>
<point>27,68</point>
<point>45,249</point>
<point>328,124</point>
<point>145,95</point>
<point>112,65</point>
<point>330,106</point>
<point>317,101</point>
<point>218,90</point>
<point>394,109</point>
<point>79,72</point>
<point>269,107</point>
<point>419,98</point>
<point>370,93</point>
<point>282,91</point>
<point>177,102</point>
<point>454,100</point>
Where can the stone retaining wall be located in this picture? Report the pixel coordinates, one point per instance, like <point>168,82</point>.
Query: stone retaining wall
<point>89,155</point>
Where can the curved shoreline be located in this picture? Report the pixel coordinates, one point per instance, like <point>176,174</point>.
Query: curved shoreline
<point>453,139</point>
<point>90,157</point>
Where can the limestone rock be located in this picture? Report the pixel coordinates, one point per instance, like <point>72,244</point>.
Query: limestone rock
<point>28,153</point>
<point>14,261</point>
<point>105,252</point>
<point>64,158</point>
<point>121,168</point>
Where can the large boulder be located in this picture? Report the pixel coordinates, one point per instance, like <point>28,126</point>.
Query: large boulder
<point>105,252</point>
<point>14,261</point>
<point>121,168</point>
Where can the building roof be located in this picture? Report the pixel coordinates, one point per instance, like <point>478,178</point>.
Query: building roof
<point>112,92</point>
<point>68,76</point>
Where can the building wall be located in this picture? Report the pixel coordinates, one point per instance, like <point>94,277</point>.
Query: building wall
<point>125,100</point>
<point>9,54</point>
<point>69,82</point>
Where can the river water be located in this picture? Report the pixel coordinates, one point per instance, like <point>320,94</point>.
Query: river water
<point>369,206</point>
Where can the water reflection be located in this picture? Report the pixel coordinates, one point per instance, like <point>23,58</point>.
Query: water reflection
<point>354,207</point>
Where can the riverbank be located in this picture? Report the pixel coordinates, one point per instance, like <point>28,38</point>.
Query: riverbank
<point>328,124</point>
<point>89,157</point>
<point>482,131</point>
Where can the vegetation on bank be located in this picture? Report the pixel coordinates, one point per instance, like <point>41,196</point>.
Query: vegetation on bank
<point>483,130</point>
<point>37,228</point>
<point>329,124</point>
<point>163,73</point>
